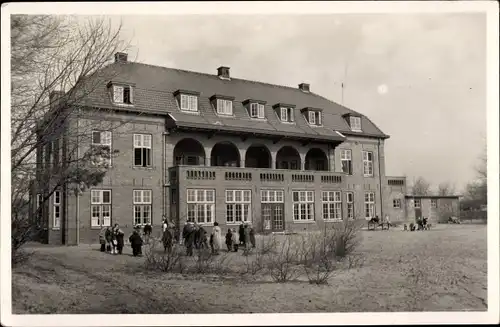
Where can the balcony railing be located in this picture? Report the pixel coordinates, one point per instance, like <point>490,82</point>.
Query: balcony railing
<point>254,175</point>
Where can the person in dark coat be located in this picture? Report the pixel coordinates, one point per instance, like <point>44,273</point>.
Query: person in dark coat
<point>136,243</point>
<point>147,232</point>
<point>119,234</point>
<point>229,239</point>
<point>202,238</point>
<point>246,232</point>
<point>188,236</point>
<point>109,239</point>
<point>241,231</point>
<point>252,236</point>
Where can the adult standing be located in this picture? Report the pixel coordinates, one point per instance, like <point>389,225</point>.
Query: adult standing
<point>109,239</point>
<point>119,234</point>
<point>102,239</point>
<point>188,236</point>
<point>216,238</point>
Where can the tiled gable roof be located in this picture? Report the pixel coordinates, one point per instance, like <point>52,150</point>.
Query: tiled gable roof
<point>154,89</point>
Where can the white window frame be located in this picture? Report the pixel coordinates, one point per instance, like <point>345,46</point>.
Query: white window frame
<point>355,123</point>
<point>238,199</point>
<point>206,202</point>
<point>142,199</point>
<point>56,218</point>
<point>102,207</point>
<point>286,115</point>
<point>349,200</point>
<point>346,155</point>
<point>189,102</point>
<point>434,203</point>
<point>331,205</point>
<point>369,205</point>
<point>396,203</point>
<point>257,110</point>
<point>106,140</point>
<point>119,94</point>
<point>224,107</point>
<point>419,201</point>
<point>367,163</point>
<point>312,118</point>
<point>272,196</point>
<point>143,141</point>
<point>303,206</point>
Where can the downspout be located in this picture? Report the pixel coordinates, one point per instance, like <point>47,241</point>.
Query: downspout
<point>163,174</point>
<point>380,182</point>
<point>77,193</point>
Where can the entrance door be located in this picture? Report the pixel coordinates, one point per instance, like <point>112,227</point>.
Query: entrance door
<point>273,209</point>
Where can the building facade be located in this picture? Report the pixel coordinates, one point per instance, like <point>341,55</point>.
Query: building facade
<point>205,148</point>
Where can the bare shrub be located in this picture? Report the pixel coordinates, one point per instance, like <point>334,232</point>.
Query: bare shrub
<point>207,263</point>
<point>282,264</point>
<point>267,245</point>
<point>355,261</point>
<point>166,261</point>
<point>20,256</point>
<point>346,237</point>
<point>254,264</point>
<point>318,257</point>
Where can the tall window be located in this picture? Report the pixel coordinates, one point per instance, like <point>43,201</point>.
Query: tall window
<point>346,161</point>
<point>303,205</point>
<point>286,115</point>
<point>224,107</point>
<point>200,206</point>
<point>332,205</point>
<point>369,205</point>
<point>434,203</point>
<point>142,150</point>
<point>238,206</point>
<point>418,203</point>
<point>350,204</point>
<point>56,223</point>
<point>396,203</point>
<point>367,163</point>
<point>100,208</point>
<point>142,207</point>
<point>189,102</point>
<point>256,110</point>
<point>101,145</point>
<point>122,94</point>
<point>355,123</point>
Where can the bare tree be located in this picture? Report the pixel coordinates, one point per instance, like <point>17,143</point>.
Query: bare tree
<point>421,186</point>
<point>478,189</point>
<point>446,188</point>
<point>56,63</point>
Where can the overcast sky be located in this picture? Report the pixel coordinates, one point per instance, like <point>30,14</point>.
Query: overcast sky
<point>420,78</point>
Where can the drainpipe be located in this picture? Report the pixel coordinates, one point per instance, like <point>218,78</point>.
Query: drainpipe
<point>380,182</point>
<point>163,174</point>
<point>77,194</point>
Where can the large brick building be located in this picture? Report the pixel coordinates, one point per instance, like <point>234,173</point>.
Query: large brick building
<point>207,148</point>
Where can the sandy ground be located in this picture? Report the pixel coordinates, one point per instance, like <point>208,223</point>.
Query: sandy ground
<point>439,270</point>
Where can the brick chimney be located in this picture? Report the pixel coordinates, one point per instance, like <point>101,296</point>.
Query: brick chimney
<point>223,72</point>
<point>121,57</point>
<point>55,98</point>
<point>304,87</point>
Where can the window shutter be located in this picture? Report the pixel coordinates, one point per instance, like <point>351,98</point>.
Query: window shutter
<point>230,107</point>
<point>320,114</point>
<point>131,92</point>
<point>261,111</point>
<point>195,103</point>
<point>118,94</point>
<point>291,115</point>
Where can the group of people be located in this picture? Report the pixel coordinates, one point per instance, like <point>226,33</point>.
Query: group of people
<point>195,236</point>
<point>112,240</point>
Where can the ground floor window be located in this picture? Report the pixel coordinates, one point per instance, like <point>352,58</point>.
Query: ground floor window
<point>303,205</point>
<point>238,206</point>
<point>200,206</point>
<point>396,203</point>
<point>273,209</point>
<point>332,205</point>
<point>369,205</point>
<point>100,208</point>
<point>350,205</point>
<point>142,207</point>
<point>56,222</point>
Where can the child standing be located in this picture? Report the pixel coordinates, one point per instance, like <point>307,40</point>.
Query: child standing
<point>136,243</point>
<point>229,239</point>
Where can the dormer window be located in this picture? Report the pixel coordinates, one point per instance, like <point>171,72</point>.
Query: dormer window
<point>285,112</point>
<point>314,116</point>
<point>223,104</point>
<point>355,123</point>
<point>188,100</point>
<point>255,108</point>
<point>122,94</point>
